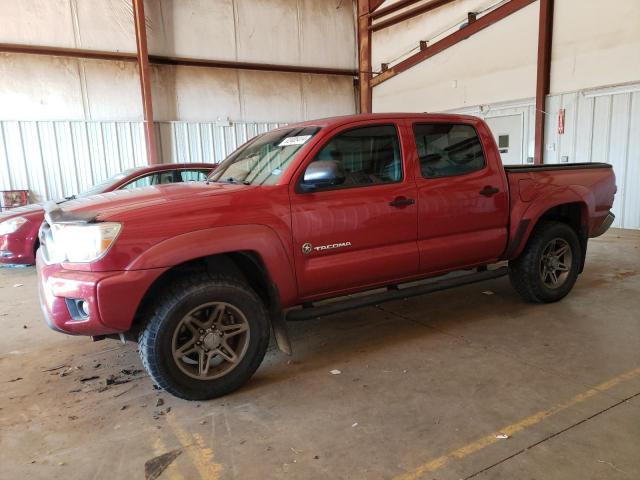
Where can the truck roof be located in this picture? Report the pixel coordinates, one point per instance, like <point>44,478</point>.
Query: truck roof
<point>346,119</point>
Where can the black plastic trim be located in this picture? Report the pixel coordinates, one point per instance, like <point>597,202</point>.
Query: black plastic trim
<point>557,166</point>
<point>517,238</point>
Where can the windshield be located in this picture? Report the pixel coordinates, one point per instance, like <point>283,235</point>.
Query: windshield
<point>105,184</point>
<point>263,160</point>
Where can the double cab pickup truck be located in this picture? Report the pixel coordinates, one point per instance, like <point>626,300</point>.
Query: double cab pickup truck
<point>298,219</point>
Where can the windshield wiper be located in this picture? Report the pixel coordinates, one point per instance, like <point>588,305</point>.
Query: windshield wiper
<point>66,199</point>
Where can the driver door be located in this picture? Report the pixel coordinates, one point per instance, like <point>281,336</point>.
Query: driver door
<point>361,231</point>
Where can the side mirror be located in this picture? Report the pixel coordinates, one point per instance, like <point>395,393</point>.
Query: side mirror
<point>323,174</point>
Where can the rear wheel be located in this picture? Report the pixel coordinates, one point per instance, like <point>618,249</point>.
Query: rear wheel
<point>548,267</point>
<point>205,338</point>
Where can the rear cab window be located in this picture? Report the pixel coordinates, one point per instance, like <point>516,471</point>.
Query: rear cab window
<point>448,149</point>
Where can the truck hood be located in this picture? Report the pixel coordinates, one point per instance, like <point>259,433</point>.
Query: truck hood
<point>111,205</point>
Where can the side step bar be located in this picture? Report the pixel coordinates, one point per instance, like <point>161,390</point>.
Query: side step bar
<point>393,293</point>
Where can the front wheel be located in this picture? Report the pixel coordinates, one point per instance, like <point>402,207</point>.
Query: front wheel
<point>548,267</point>
<point>205,338</point>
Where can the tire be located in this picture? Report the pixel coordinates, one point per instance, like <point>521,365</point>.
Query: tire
<point>181,315</point>
<point>530,272</point>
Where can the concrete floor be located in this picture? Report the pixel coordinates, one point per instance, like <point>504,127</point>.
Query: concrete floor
<point>426,386</point>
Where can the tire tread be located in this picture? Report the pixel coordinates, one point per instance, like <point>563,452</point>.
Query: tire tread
<point>171,296</point>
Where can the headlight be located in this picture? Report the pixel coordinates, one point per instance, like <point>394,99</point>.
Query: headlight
<point>83,243</point>
<point>10,226</point>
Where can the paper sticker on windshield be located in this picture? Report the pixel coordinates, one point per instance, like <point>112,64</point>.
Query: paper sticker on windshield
<point>301,140</point>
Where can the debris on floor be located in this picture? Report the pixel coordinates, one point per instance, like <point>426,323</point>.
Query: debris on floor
<point>119,394</point>
<point>153,468</point>
<point>118,379</point>
<point>335,372</point>
<point>16,285</point>
<point>502,436</point>
<point>488,292</point>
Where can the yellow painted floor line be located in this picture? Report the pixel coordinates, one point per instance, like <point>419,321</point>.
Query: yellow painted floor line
<point>194,445</point>
<point>510,430</point>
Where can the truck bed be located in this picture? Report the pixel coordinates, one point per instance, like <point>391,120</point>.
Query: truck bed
<point>533,189</point>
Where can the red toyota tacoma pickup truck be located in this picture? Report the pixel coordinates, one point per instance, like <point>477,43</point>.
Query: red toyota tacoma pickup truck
<point>297,219</point>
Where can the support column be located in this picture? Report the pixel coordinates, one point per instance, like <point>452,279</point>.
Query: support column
<point>145,81</point>
<point>364,56</point>
<point>545,34</point>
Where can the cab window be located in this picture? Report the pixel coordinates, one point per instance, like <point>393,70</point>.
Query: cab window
<point>364,156</point>
<point>447,149</point>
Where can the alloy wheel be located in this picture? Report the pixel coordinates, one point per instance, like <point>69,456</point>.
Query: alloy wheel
<point>555,263</point>
<point>210,340</point>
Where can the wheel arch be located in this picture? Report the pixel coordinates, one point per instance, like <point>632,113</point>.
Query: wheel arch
<point>573,213</point>
<point>244,265</point>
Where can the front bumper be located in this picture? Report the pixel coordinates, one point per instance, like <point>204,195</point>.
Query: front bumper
<point>112,298</point>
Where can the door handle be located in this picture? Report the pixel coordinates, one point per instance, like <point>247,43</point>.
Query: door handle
<point>489,191</point>
<point>400,202</point>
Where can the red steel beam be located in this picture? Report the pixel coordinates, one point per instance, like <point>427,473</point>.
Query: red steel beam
<point>165,60</point>
<point>145,80</point>
<point>364,57</point>
<point>406,15</point>
<point>67,52</point>
<point>450,40</point>
<point>545,38</point>
<point>394,7</point>
<point>265,67</point>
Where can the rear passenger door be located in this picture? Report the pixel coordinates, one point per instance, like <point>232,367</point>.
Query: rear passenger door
<point>363,231</point>
<point>462,197</point>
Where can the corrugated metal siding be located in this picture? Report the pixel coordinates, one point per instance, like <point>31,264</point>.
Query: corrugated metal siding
<point>61,158</point>
<point>601,125</point>
<point>204,142</point>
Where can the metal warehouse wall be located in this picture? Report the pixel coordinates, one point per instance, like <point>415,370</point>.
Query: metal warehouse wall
<point>291,32</point>
<point>601,125</point>
<point>58,159</point>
